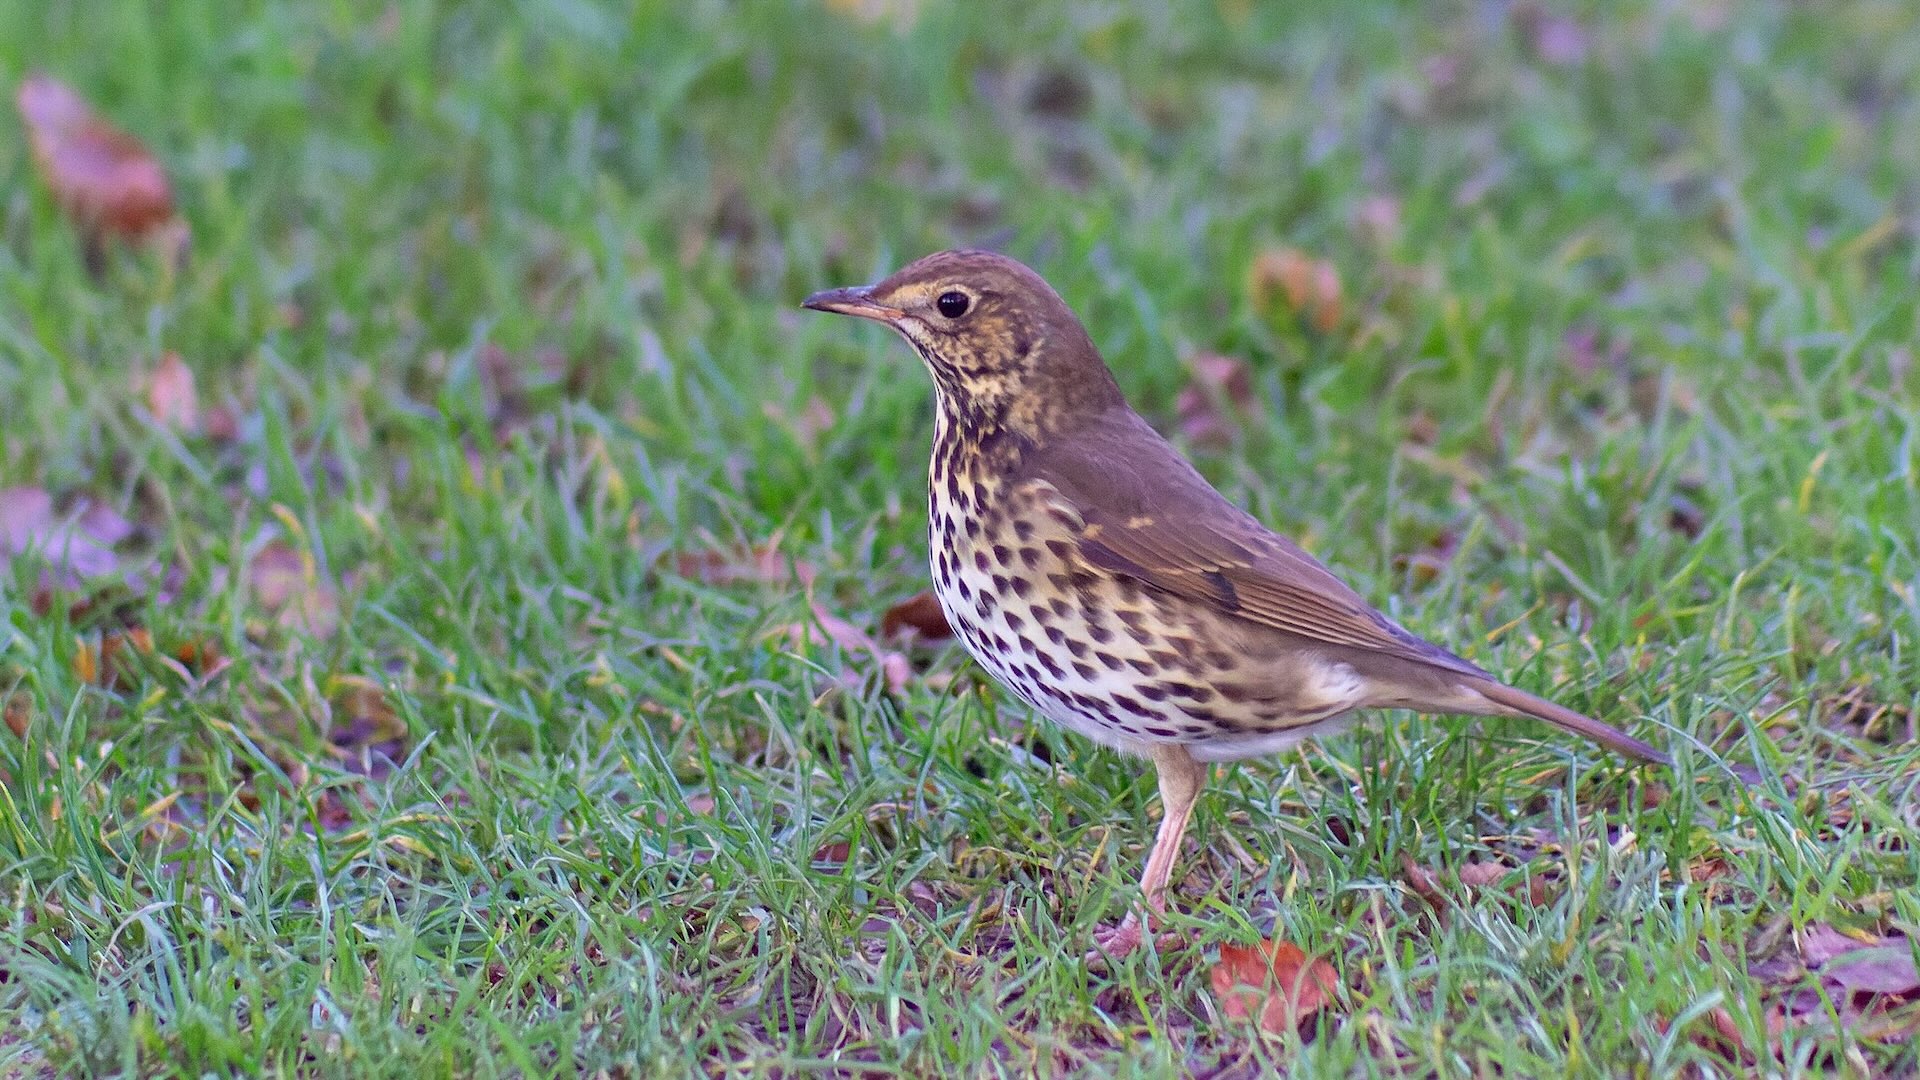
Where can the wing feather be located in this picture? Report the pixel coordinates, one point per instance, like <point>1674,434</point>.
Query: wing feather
<point>1150,517</point>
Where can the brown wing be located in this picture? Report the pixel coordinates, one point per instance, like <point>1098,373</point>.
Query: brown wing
<point>1150,516</point>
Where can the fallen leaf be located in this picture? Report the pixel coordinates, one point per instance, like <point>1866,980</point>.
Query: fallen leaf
<point>1309,287</point>
<point>1275,982</point>
<point>1479,875</point>
<point>1220,388</point>
<point>834,854</point>
<point>894,667</point>
<point>18,712</point>
<point>363,730</point>
<point>1425,885</point>
<point>101,176</point>
<point>1820,943</point>
<point>919,615</point>
<point>1721,1037</point>
<point>288,586</point>
<point>75,547</point>
<point>170,395</point>
<point>1879,969</point>
<point>760,565</point>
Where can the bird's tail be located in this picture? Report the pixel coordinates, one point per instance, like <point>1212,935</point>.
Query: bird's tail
<point>1521,703</point>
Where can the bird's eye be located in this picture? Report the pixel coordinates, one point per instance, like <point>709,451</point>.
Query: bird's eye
<point>952,304</point>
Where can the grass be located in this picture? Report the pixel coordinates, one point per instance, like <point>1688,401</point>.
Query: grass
<point>502,300</point>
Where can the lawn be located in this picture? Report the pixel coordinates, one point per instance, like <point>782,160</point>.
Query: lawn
<point>437,685</point>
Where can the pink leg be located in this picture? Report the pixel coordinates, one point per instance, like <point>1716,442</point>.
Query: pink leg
<point>1181,778</point>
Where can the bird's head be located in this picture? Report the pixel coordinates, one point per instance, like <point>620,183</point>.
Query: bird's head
<point>1001,344</point>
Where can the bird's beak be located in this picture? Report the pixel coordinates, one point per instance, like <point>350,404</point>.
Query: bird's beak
<point>856,301</point>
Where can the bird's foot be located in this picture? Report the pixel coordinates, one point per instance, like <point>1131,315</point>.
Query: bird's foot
<point>1111,944</point>
<point>1116,942</point>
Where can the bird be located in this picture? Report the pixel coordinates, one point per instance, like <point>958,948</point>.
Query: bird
<point>1087,565</point>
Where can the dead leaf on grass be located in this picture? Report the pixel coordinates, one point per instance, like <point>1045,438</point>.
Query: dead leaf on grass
<point>364,731</point>
<point>73,546</point>
<point>1861,963</point>
<point>105,180</point>
<point>18,712</point>
<point>1273,981</point>
<point>917,616</point>
<point>763,564</point>
<point>1218,393</point>
<point>1878,969</point>
<point>170,395</point>
<point>287,584</point>
<point>894,668</point>
<point>1534,889</point>
<point>1309,287</point>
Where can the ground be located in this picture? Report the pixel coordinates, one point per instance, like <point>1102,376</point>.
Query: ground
<point>436,682</point>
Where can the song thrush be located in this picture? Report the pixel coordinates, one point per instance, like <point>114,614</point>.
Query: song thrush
<point>1087,565</point>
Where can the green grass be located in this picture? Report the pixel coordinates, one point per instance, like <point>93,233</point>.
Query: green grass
<point>1639,350</point>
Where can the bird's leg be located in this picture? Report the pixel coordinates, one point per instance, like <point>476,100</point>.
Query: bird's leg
<point>1181,778</point>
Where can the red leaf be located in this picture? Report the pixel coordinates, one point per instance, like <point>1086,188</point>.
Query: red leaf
<point>893,666</point>
<point>920,614</point>
<point>103,177</point>
<point>1274,981</point>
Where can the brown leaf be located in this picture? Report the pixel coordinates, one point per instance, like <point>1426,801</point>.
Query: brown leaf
<point>1309,287</point>
<point>1479,875</point>
<point>1721,1037</point>
<point>101,176</point>
<point>364,731</point>
<point>762,564</point>
<point>1424,884</point>
<point>893,666</point>
<point>1219,386</point>
<point>834,854</point>
<point>919,615</point>
<point>18,712</point>
<point>170,395</point>
<point>288,586</point>
<point>1274,981</point>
